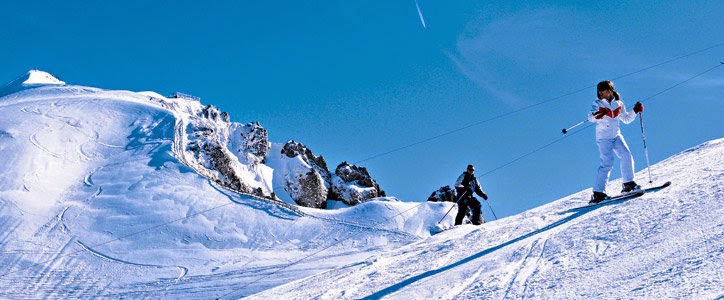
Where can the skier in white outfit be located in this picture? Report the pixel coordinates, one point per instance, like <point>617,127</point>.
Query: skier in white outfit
<point>606,112</point>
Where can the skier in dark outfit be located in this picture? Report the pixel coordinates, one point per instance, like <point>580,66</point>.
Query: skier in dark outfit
<point>465,185</point>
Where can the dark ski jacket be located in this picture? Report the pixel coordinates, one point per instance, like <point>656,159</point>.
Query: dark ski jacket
<point>469,183</point>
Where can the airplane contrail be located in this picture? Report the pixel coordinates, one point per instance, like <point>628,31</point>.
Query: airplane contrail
<point>419,12</point>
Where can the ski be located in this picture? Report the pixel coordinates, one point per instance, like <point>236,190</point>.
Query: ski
<point>657,188</point>
<point>628,196</point>
<point>623,196</point>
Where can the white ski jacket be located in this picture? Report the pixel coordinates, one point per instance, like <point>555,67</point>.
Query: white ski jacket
<point>608,126</point>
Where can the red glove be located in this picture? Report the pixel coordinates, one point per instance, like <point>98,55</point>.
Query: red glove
<point>602,111</point>
<point>638,107</point>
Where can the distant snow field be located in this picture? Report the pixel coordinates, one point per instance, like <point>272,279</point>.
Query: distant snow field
<point>98,200</point>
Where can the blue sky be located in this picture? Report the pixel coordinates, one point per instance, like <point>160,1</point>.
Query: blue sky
<point>352,80</point>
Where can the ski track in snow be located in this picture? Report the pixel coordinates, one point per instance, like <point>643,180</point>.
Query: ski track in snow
<point>88,180</point>
<point>362,226</point>
<point>34,140</point>
<point>182,270</point>
<point>55,223</point>
<point>519,279</point>
<point>45,276</point>
<point>71,122</point>
<point>520,273</point>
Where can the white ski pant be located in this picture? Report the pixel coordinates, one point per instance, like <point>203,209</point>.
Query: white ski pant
<point>607,148</point>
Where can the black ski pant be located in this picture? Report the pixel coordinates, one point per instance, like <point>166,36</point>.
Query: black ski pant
<point>463,204</point>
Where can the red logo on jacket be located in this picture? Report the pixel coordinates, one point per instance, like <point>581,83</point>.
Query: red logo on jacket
<point>609,113</point>
<point>615,112</point>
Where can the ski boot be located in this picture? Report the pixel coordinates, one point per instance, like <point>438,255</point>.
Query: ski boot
<point>630,186</point>
<point>598,197</point>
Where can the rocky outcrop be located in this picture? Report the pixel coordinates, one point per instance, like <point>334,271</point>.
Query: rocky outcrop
<point>249,142</point>
<point>235,155</point>
<point>293,149</point>
<point>355,174</point>
<point>217,159</point>
<point>310,190</point>
<point>230,154</point>
<point>306,177</point>
<point>444,194</point>
<point>311,184</point>
<point>353,185</point>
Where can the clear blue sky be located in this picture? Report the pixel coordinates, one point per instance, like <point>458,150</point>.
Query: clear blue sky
<point>353,79</point>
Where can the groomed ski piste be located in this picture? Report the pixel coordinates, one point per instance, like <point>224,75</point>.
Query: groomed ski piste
<point>95,203</point>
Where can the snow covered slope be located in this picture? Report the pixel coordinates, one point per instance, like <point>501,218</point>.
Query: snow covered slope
<point>96,200</point>
<point>667,244</point>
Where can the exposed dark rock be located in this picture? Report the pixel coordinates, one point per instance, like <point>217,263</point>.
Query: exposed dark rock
<point>353,185</point>
<point>311,191</point>
<point>444,194</point>
<point>222,163</point>
<point>249,142</point>
<point>226,152</point>
<point>294,149</point>
<point>229,153</point>
<point>306,184</point>
<point>351,173</point>
<point>211,112</point>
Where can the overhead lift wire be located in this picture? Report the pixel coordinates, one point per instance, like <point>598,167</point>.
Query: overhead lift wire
<point>484,174</point>
<point>503,115</point>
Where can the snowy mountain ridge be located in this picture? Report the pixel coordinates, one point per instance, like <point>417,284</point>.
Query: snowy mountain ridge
<point>231,154</point>
<point>102,195</point>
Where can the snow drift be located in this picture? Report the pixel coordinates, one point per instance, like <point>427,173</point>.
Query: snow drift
<point>101,196</point>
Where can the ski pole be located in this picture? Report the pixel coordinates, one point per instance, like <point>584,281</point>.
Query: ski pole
<point>646,149</point>
<point>491,210</point>
<point>456,202</point>
<point>574,126</point>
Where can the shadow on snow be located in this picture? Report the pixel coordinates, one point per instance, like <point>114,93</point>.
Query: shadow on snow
<point>578,212</point>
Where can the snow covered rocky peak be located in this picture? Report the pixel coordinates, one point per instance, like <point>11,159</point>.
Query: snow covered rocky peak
<point>309,182</point>
<point>293,149</point>
<point>229,153</point>
<point>353,184</point>
<point>303,175</point>
<point>233,155</point>
<point>240,157</point>
<point>32,78</point>
<point>250,141</point>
